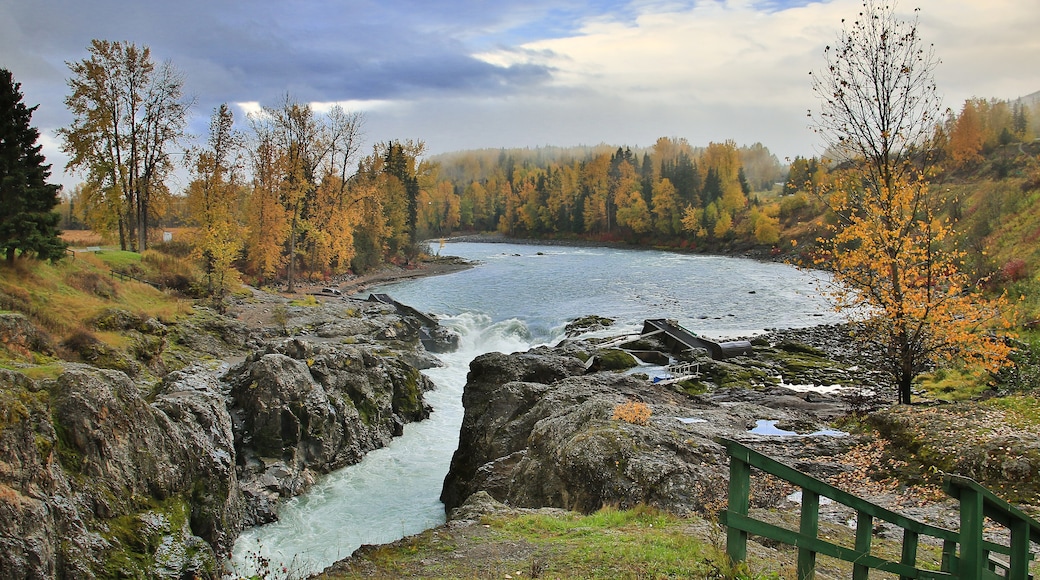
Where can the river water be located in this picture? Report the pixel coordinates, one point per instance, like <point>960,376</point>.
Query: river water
<point>518,296</point>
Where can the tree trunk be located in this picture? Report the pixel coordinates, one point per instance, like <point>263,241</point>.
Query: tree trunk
<point>292,256</point>
<point>142,222</point>
<point>905,382</point>
<point>122,232</point>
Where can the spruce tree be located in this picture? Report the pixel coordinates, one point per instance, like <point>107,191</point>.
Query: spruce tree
<point>28,224</point>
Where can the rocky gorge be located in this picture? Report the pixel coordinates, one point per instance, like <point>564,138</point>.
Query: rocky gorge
<point>129,471</point>
<point>583,427</point>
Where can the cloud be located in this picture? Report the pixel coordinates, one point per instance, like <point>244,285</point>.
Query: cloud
<point>482,73</point>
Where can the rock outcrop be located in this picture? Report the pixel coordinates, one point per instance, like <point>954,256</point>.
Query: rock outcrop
<point>541,431</point>
<point>302,409</point>
<point>104,475</point>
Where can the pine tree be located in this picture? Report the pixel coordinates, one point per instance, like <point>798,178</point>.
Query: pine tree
<point>27,223</point>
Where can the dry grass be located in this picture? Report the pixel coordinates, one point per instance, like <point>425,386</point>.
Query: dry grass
<point>61,298</point>
<point>82,238</point>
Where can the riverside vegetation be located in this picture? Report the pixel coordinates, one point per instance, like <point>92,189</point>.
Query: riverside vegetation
<point>140,431</point>
<point>75,311</point>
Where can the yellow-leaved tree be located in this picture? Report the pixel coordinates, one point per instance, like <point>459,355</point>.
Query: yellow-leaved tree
<point>893,264</point>
<point>214,200</point>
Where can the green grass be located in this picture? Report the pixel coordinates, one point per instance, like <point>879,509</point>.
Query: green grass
<point>307,301</point>
<point>637,543</point>
<point>118,259</point>
<point>1022,411</point>
<point>953,384</point>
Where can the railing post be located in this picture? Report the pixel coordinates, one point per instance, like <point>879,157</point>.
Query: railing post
<point>739,490</point>
<point>971,564</point>
<point>949,556</point>
<point>909,556</point>
<point>808,526</point>
<point>864,535</point>
<point>1019,557</point>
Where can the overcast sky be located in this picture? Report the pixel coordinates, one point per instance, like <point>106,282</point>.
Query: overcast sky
<point>464,74</point>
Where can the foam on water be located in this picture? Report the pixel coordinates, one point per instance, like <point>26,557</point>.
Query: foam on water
<point>394,491</point>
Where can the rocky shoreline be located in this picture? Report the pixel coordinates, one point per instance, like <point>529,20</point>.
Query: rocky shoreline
<point>106,473</point>
<point>541,431</point>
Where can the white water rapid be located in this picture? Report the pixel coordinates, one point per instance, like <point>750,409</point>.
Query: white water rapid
<point>518,297</point>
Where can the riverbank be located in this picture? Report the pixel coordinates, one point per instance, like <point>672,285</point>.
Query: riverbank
<point>350,284</point>
<point>743,251</point>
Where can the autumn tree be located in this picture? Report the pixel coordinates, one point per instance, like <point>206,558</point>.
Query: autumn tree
<point>632,211</point>
<point>966,136</point>
<point>400,173</point>
<point>667,210</point>
<point>28,223</point>
<point>214,197</point>
<point>128,112</point>
<point>268,223</point>
<point>305,159</point>
<point>878,107</point>
<point>595,184</point>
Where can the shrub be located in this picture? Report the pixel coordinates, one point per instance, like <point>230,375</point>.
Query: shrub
<point>82,343</point>
<point>632,412</point>
<point>613,359</point>
<point>1013,270</point>
<point>93,283</point>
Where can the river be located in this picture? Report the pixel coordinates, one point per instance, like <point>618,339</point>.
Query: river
<point>518,296</point>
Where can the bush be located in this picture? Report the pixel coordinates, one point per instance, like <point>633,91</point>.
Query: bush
<point>613,359</point>
<point>632,412</point>
<point>82,343</point>
<point>1013,270</point>
<point>93,283</point>
<point>177,249</point>
<point>169,272</point>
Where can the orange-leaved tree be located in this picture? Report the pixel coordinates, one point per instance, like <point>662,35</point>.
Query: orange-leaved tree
<point>893,262</point>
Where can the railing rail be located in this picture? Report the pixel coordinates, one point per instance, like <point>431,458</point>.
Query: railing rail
<point>973,563</point>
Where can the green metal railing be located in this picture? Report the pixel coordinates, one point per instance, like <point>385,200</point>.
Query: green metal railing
<point>977,558</point>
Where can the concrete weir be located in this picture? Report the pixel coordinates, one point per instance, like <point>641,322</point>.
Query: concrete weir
<point>679,339</point>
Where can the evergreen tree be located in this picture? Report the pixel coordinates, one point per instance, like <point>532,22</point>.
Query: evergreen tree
<point>28,223</point>
<point>712,186</point>
<point>647,181</point>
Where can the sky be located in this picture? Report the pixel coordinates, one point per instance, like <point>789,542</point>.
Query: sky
<point>472,74</point>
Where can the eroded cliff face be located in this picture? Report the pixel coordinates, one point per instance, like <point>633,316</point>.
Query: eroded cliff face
<point>303,409</point>
<point>102,476</point>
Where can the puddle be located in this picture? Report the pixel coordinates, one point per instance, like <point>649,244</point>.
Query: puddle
<point>822,389</point>
<point>768,427</point>
<point>689,420</point>
<point>796,497</point>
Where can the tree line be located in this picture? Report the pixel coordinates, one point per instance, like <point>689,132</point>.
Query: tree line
<point>670,191</point>
<point>291,195</point>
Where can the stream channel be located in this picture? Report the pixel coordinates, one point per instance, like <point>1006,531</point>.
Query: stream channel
<point>517,297</point>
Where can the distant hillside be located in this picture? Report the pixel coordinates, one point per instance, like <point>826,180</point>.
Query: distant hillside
<point>1030,100</point>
